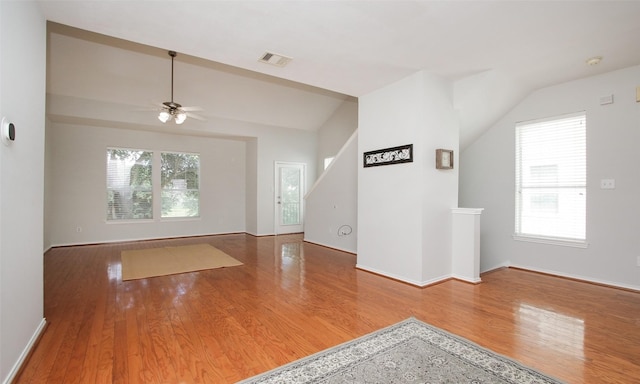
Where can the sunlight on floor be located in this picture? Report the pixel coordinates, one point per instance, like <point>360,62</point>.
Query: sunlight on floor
<point>562,333</point>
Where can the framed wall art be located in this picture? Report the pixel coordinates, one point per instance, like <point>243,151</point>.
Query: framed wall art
<point>387,156</point>
<point>444,159</point>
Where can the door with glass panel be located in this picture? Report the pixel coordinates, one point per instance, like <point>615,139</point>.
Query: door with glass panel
<point>289,194</point>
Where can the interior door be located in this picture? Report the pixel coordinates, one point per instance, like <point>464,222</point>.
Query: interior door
<point>289,194</point>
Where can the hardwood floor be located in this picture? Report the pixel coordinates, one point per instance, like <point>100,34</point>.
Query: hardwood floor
<point>291,299</point>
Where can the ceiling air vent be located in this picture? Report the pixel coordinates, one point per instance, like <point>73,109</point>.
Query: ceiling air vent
<point>275,59</point>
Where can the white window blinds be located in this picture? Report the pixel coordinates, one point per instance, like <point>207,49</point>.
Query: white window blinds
<point>129,187</point>
<point>551,178</point>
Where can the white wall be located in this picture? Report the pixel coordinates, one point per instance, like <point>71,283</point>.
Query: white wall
<point>440,187</point>
<point>251,206</point>
<point>613,134</point>
<point>404,220</point>
<point>78,185</point>
<point>48,163</point>
<point>335,132</point>
<point>332,205</point>
<point>22,91</point>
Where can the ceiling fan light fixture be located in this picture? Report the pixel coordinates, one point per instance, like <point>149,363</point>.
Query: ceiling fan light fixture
<point>180,117</point>
<point>164,116</point>
<point>170,110</point>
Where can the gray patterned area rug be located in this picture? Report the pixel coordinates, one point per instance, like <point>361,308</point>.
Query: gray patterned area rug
<point>408,352</point>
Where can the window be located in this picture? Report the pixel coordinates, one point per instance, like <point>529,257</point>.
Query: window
<point>551,180</point>
<point>129,187</point>
<point>179,178</point>
<point>290,190</point>
<point>327,161</point>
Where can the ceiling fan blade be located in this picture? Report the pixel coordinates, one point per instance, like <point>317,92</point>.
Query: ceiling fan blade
<point>190,109</point>
<point>153,106</point>
<point>194,116</point>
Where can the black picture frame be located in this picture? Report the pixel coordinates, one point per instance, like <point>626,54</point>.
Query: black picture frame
<point>388,156</point>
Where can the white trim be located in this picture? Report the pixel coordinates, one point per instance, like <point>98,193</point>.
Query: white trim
<point>552,118</point>
<point>129,221</point>
<point>504,264</point>
<point>25,353</point>
<point>330,246</point>
<point>276,189</point>
<point>552,241</point>
<point>577,277</point>
<point>467,211</point>
<point>182,218</point>
<point>353,137</point>
<point>404,279</point>
<point>466,279</point>
<point>98,242</point>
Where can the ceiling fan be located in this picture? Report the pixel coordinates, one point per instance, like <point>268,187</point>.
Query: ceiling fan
<point>171,110</point>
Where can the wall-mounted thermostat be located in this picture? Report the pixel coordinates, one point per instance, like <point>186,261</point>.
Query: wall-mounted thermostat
<point>8,133</point>
<point>608,99</point>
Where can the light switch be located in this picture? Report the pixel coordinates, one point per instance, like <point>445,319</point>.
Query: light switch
<point>607,184</point>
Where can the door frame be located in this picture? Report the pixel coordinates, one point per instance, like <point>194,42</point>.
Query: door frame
<point>276,189</point>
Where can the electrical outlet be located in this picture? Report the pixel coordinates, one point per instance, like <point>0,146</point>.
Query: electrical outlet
<point>78,229</point>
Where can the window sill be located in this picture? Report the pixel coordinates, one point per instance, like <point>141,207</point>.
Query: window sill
<point>552,241</point>
<point>130,221</point>
<point>186,218</point>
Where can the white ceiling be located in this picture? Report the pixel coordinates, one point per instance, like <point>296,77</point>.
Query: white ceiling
<point>495,52</point>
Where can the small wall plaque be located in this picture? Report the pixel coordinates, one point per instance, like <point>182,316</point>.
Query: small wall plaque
<point>444,159</point>
<point>387,156</point>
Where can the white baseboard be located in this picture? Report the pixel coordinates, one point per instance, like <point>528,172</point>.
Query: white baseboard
<point>25,353</point>
<point>578,277</point>
<point>404,279</point>
<point>331,246</point>
<point>115,241</point>
<point>505,264</point>
<point>467,279</point>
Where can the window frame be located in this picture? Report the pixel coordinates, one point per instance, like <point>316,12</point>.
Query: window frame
<point>162,189</point>
<point>156,190</point>
<point>557,187</point>
<point>108,189</point>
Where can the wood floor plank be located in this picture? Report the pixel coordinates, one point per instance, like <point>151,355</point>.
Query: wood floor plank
<point>120,365</point>
<point>105,372</point>
<point>291,299</point>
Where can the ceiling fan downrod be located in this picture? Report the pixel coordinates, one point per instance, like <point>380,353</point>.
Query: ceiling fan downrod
<point>173,109</point>
<point>173,54</point>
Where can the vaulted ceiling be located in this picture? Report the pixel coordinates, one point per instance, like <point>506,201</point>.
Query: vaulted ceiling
<point>494,52</point>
